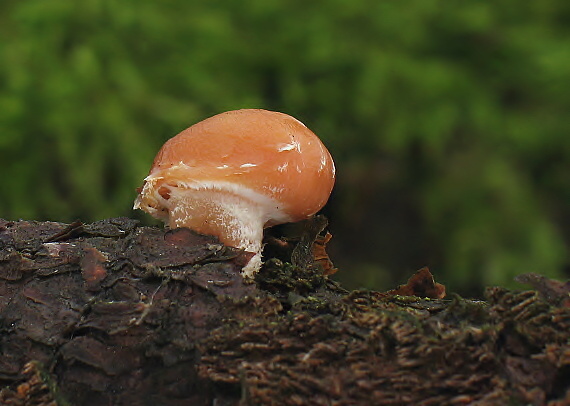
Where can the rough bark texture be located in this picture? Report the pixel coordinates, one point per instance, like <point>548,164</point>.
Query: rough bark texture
<point>112,313</point>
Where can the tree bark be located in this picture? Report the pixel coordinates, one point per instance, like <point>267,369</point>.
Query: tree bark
<point>113,313</point>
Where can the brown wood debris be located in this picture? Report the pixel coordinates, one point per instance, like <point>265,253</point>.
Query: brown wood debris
<point>112,313</point>
<point>421,284</point>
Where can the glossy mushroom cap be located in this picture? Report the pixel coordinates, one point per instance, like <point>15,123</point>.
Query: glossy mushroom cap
<point>235,173</point>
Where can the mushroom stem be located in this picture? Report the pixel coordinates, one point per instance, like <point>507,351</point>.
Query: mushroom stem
<point>235,220</point>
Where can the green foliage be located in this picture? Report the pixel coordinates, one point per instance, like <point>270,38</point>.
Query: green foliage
<point>455,113</point>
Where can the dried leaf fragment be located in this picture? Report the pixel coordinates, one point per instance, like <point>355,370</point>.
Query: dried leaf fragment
<point>421,284</point>
<point>320,255</point>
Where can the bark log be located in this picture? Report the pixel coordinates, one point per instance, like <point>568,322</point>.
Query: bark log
<point>112,313</point>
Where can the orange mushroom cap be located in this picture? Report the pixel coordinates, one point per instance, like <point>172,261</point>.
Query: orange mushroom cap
<point>237,172</point>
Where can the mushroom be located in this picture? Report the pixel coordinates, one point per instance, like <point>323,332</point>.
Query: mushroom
<point>236,173</point>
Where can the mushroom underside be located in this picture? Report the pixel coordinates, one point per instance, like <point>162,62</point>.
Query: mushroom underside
<point>236,215</point>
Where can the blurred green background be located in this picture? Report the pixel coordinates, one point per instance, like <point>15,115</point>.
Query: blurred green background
<point>448,121</point>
